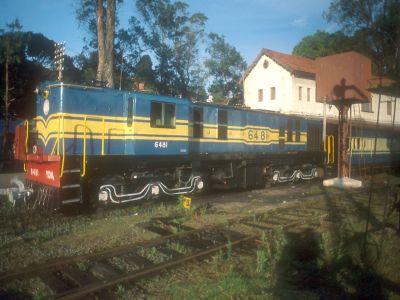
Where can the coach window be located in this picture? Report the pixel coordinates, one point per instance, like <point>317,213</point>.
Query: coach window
<point>222,124</point>
<point>162,115</point>
<point>197,122</point>
<point>366,107</point>
<point>389,107</point>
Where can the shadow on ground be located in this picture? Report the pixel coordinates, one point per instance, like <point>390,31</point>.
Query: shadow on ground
<point>335,268</point>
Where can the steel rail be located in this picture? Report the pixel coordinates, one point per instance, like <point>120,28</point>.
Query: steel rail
<point>35,269</point>
<point>83,291</point>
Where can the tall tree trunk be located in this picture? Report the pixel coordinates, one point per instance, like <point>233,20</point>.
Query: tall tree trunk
<point>6,107</point>
<point>100,42</point>
<point>109,43</point>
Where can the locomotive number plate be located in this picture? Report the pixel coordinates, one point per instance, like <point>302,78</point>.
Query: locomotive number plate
<point>161,144</point>
<point>257,135</point>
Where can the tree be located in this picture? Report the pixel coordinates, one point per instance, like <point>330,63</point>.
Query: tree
<point>127,54</point>
<point>172,36</point>
<point>10,53</point>
<point>186,52</point>
<point>225,66</point>
<point>91,12</point>
<point>375,24</point>
<point>144,72</point>
<point>109,43</point>
<point>32,63</point>
<point>323,43</point>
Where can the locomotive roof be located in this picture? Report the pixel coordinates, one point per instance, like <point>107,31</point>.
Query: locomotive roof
<point>50,84</point>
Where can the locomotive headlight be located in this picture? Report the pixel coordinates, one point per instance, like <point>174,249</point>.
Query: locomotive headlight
<point>46,107</point>
<point>155,190</point>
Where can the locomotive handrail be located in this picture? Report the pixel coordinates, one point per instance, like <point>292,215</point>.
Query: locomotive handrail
<point>63,148</point>
<point>329,148</point>
<point>102,136</point>
<point>57,141</point>
<point>61,138</point>
<point>84,151</point>
<point>26,141</point>
<point>84,140</point>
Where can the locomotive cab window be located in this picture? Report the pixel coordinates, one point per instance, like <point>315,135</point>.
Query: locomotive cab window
<point>162,115</point>
<point>222,124</point>
<point>197,122</point>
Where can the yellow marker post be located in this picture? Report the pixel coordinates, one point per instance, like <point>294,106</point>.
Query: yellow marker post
<point>186,202</point>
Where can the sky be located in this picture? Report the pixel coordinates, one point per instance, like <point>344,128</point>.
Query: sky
<point>248,25</point>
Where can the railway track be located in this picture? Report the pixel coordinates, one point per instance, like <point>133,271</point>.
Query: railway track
<point>77,277</point>
<point>86,275</point>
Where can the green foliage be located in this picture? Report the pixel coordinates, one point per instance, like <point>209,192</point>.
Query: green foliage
<point>120,290</point>
<point>374,25</point>
<point>11,43</point>
<point>225,66</point>
<point>172,35</point>
<point>323,43</point>
<point>262,259</point>
<point>144,73</point>
<point>227,286</point>
<point>30,57</point>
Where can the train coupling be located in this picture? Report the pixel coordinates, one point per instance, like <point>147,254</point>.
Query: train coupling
<point>17,193</point>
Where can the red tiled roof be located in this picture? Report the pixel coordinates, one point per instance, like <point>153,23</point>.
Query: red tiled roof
<point>292,63</point>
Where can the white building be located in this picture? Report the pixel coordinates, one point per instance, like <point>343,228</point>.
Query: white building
<point>286,83</point>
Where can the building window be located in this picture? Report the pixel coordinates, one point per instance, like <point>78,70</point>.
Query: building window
<point>260,95</point>
<point>389,107</point>
<point>222,124</point>
<point>162,115</point>
<point>366,107</point>
<point>308,94</point>
<point>273,93</point>
<point>197,122</point>
<point>300,92</point>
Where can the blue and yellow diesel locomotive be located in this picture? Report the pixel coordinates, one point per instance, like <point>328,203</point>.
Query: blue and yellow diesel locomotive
<point>90,145</point>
